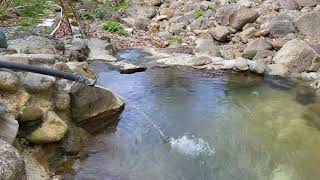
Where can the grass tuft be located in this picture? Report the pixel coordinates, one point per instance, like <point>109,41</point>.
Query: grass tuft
<point>114,27</point>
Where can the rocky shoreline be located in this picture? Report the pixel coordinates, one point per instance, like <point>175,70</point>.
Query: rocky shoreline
<point>49,120</point>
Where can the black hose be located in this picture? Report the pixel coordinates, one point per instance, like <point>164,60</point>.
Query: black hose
<point>46,71</point>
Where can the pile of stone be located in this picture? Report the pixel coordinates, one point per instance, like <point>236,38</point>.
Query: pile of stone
<point>38,109</point>
<point>275,37</point>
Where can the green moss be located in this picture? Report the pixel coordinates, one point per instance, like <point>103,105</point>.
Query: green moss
<point>114,26</point>
<point>120,6</point>
<point>25,22</point>
<point>199,13</point>
<point>176,39</point>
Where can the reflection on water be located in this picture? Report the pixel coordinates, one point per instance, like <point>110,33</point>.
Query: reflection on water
<point>222,128</point>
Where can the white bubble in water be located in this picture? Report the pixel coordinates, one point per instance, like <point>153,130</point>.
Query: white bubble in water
<point>191,146</point>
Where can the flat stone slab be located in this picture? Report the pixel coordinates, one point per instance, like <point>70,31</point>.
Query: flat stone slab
<point>98,50</point>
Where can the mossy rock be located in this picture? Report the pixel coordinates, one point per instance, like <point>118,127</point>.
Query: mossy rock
<point>3,40</point>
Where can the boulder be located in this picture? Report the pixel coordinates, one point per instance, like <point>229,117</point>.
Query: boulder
<point>12,165</point>
<point>83,69</point>
<point>289,4</point>
<point>281,25</point>
<point>199,24</point>
<point>98,50</point>
<point>246,34</point>
<point>207,46</point>
<point>165,35</point>
<point>33,45</point>
<point>3,40</point>
<point>277,70</point>
<point>200,61</point>
<point>77,50</point>
<point>30,113</point>
<point>220,33</point>
<point>242,64</point>
<point>223,14</point>
<point>309,23</point>
<point>62,101</point>
<point>298,56</point>
<point>9,81</point>
<point>254,46</point>
<point>241,17</point>
<point>36,83</point>
<point>304,3</point>
<point>257,67</point>
<point>91,106</point>
<point>177,28</point>
<point>53,129</point>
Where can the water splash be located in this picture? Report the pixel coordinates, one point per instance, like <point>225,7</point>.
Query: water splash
<point>191,146</point>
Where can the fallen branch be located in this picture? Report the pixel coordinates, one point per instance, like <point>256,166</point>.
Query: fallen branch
<point>60,20</point>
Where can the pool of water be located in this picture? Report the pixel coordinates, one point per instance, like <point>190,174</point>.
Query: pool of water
<point>238,127</point>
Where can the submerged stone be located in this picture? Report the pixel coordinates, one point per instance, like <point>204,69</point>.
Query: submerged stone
<point>3,40</point>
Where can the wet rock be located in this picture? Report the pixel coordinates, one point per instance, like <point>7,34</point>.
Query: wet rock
<point>200,61</point>
<point>33,45</point>
<point>9,81</point>
<point>306,95</point>
<point>75,140</point>
<point>126,68</point>
<point>277,70</point>
<point>254,46</point>
<point>220,33</point>
<point>91,106</point>
<point>309,24</point>
<point>62,101</point>
<point>242,16</point>
<point>281,25</point>
<point>3,40</point>
<point>30,113</point>
<point>53,129</point>
<point>142,24</point>
<point>298,56</point>
<point>12,165</point>
<point>36,83</point>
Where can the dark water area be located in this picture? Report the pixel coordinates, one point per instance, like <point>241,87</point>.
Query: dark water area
<point>236,126</point>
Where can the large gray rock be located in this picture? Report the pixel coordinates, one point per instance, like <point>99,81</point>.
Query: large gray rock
<point>33,45</point>
<point>298,56</point>
<point>200,61</point>
<point>281,25</point>
<point>3,40</point>
<point>309,23</point>
<point>289,4</point>
<point>199,24</point>
<point>9,81</point>
<point>277,70</point>
<point>220,33</point>
<point>52,130</point>
<point>62,101</point>
<point>243,16</point>
<point>98,50</point>
<point>37,83</point>
<point>254,46</point>
<point>12,165</point>
<point>91,106</point>
<point>207,46</point>
<point>304,3</point>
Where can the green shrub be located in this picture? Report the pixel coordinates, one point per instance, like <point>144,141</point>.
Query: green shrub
<point>199,13</point>
<point>114,26</point>
<point>176,39</point>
